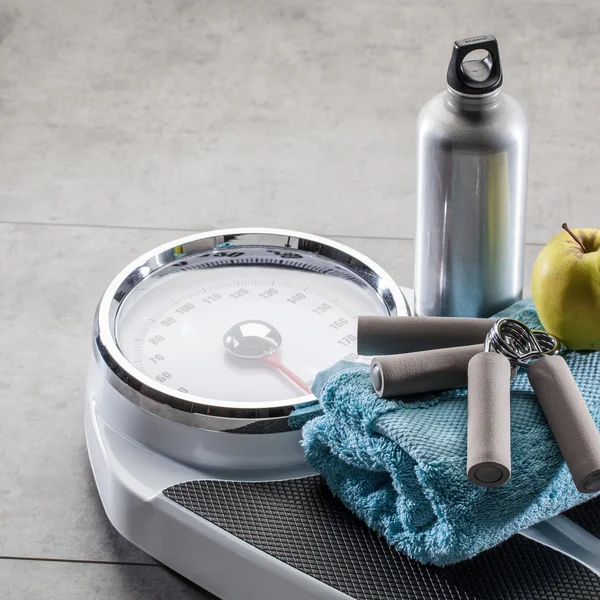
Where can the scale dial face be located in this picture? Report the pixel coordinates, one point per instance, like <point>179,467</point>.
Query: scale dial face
<point>226,330</point>
<point>175,326</point>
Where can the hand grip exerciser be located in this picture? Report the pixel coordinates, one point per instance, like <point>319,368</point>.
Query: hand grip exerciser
<point>392,335</point>
<point>557,392</point>
<point>508,344</point>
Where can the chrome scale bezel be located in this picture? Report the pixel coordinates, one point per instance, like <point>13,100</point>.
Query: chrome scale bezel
<point>196,411</point>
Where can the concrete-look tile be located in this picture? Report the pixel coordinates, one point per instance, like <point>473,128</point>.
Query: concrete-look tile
<point>53,277</point>
<point>395,256</point>
<point>183,114</point>
<point>32,580</point>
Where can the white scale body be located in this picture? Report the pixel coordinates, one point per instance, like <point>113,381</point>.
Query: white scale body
<point>164,398</point>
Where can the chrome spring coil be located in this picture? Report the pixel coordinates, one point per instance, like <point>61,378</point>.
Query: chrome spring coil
<point>518,343</point>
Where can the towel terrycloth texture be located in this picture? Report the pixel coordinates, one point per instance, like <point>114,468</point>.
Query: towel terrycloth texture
<point>401,465</point>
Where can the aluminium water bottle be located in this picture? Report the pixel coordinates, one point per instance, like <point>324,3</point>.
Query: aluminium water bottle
<point>471,190</point>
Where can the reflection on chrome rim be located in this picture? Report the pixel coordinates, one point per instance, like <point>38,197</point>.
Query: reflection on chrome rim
<point>205,413</point>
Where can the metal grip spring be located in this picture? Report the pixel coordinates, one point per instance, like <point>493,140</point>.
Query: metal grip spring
<point>518,343</point>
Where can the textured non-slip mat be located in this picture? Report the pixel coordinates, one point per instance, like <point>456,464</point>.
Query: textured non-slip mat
<point>299,522</point>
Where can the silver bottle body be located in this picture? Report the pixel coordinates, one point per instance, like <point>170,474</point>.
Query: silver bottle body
<point>471,204</point>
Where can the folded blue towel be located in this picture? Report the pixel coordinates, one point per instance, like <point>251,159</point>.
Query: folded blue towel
<point>401,465</point>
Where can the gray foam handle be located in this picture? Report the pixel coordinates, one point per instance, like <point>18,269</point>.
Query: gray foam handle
<point>393,335</point>
<point>488,429</point>
<point>569,419</point>
<point>417,372</point>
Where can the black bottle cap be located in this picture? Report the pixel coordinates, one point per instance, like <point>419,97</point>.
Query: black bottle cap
<point>477,76</point>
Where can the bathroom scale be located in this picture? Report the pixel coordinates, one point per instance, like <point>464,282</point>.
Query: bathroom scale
<point>204,351</point>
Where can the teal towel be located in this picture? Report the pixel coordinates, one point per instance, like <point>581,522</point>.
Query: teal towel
<point>401,465</point>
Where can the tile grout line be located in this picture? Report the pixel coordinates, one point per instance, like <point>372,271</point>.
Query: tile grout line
<point>192,230</point>
<point>183,230</point>
<point>78,561</point>
<point>94,226</point>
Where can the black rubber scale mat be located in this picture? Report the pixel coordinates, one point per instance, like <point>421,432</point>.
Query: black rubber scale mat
<point>300,523</point>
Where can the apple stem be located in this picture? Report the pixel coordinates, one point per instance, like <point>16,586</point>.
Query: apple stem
<point>566,228</point>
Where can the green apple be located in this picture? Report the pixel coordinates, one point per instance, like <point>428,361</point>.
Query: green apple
<point>566,288</point>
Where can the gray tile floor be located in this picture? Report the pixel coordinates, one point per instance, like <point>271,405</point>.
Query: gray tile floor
<point>124,124</point>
